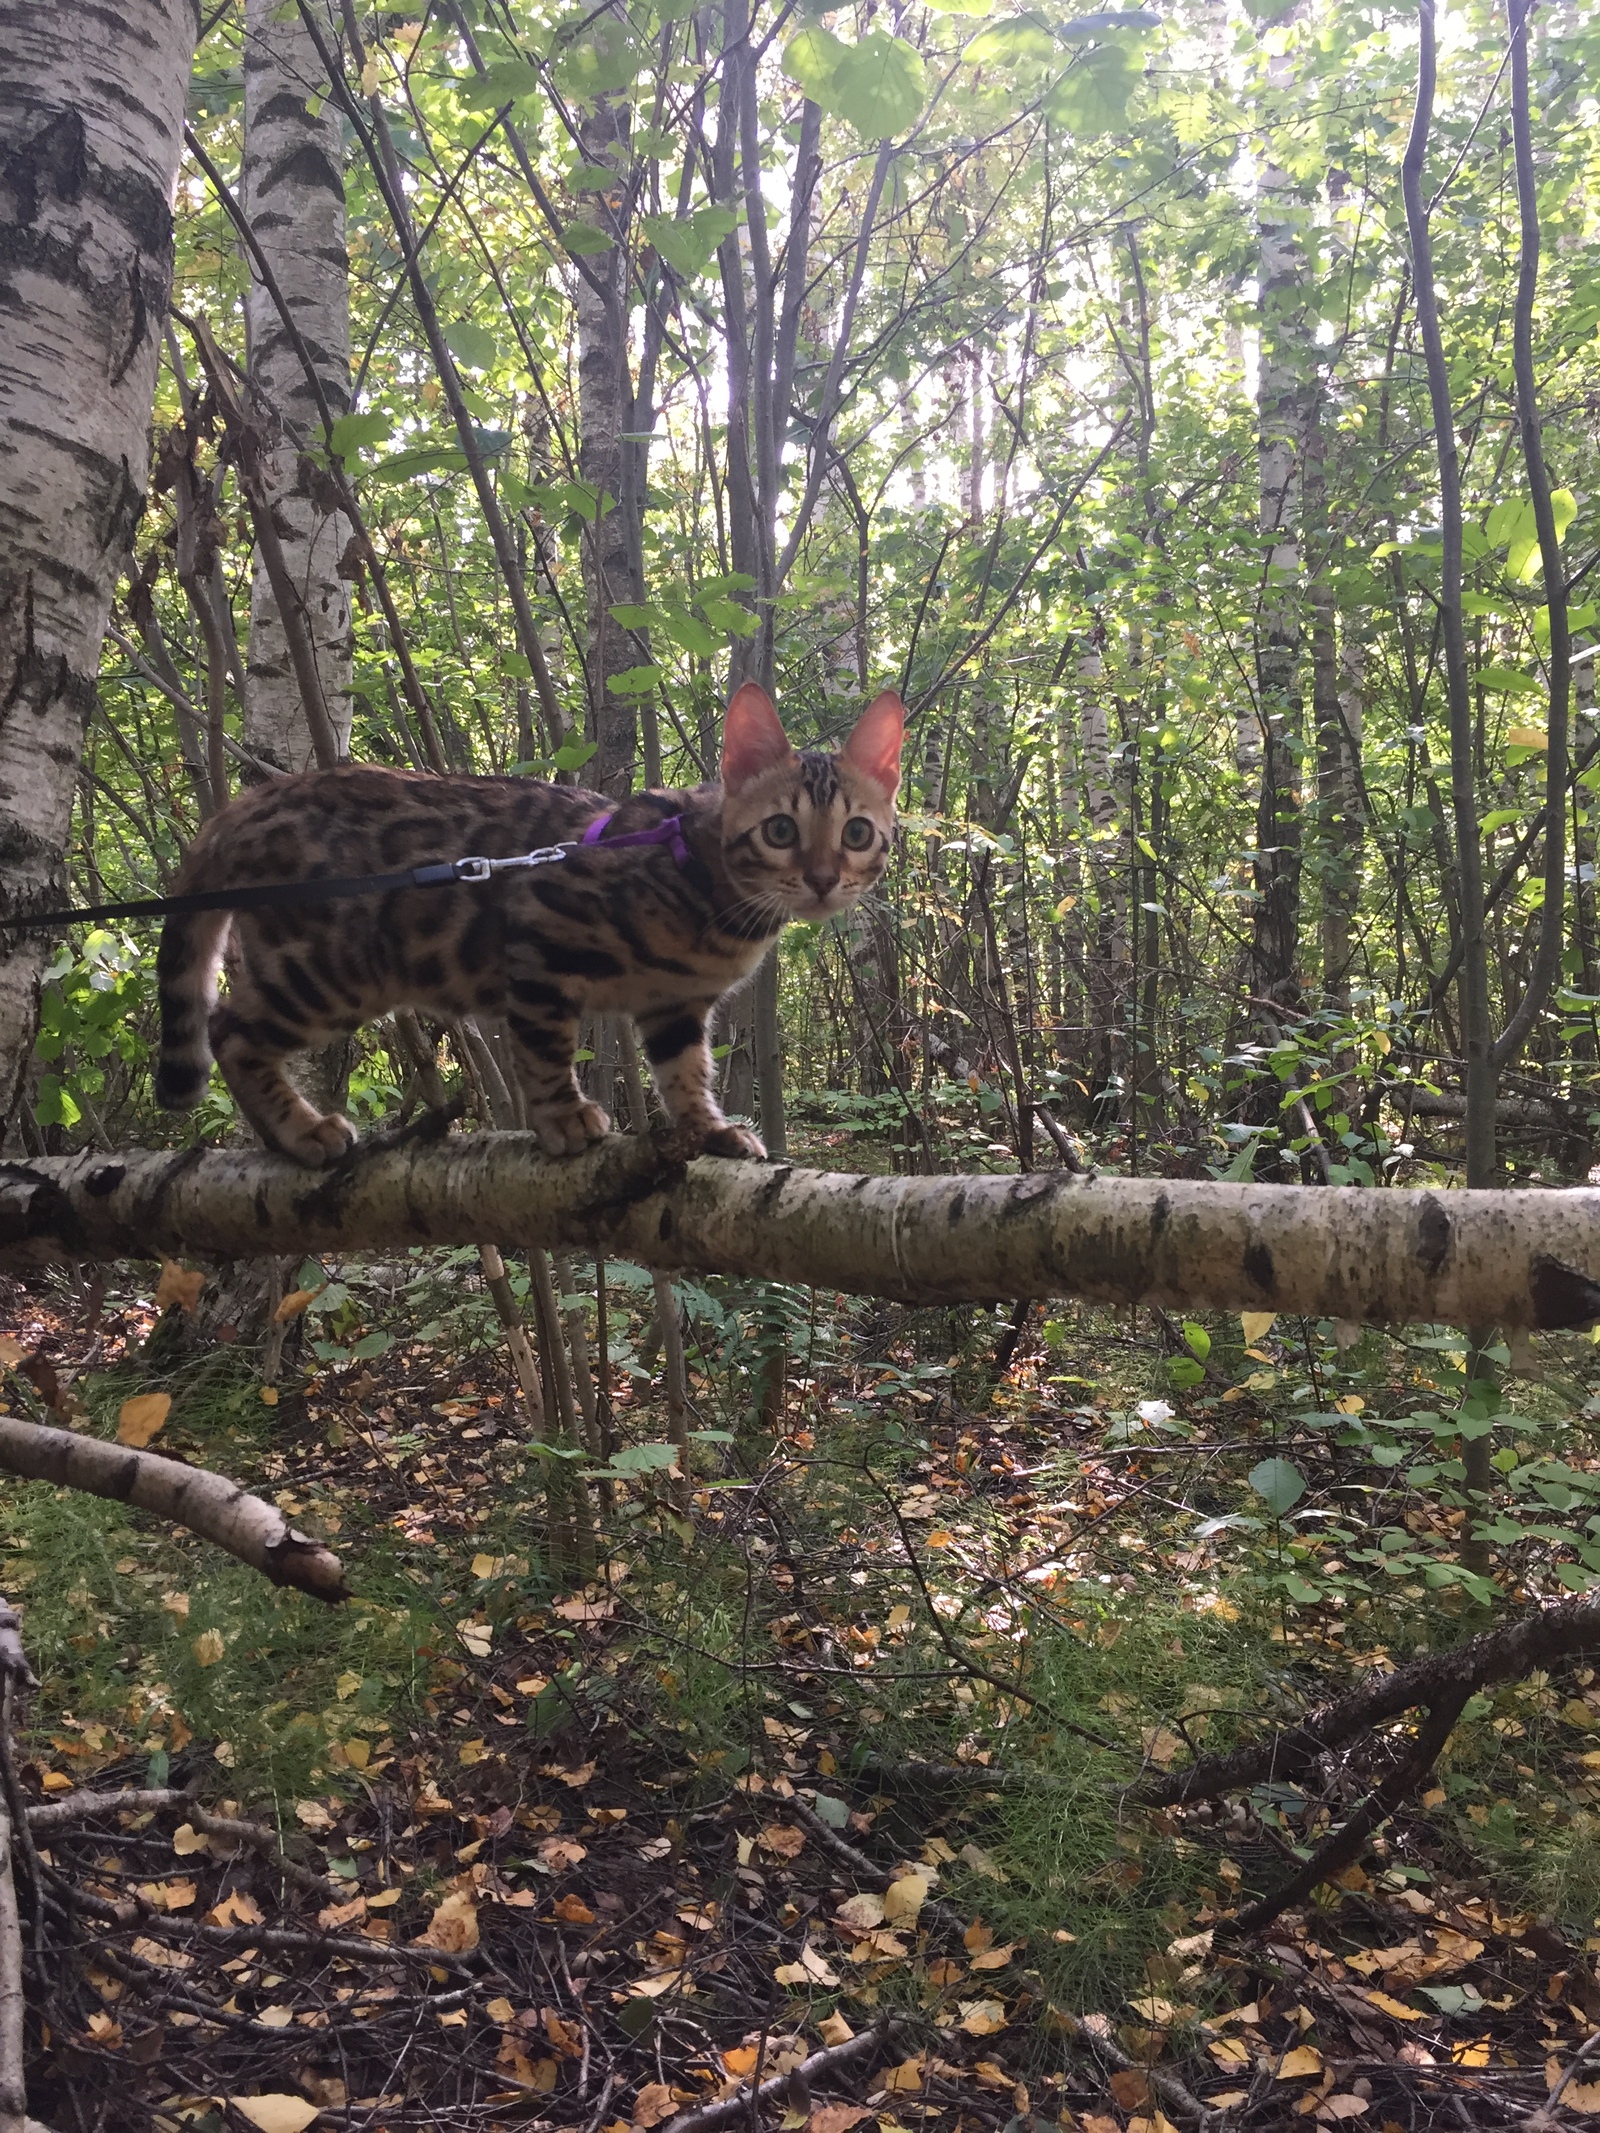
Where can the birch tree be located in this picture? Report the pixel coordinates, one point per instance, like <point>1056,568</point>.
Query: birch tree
<point>293,187</point>
<point>91,111</point>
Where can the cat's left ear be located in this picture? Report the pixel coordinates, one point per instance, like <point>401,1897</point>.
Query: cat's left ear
<point>875,743</point>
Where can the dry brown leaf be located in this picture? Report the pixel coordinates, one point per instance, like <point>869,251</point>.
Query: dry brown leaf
<point>662,1981</point>
<point>1229,2053</point>
<point>163,1958</point>
<point>1387,2004</point>
<point>178,1285</point>
<point>982,2018</point>
<point>382,1898</point>
<point>559,1853</point>
<point>1161,1744</point>
<point>907,2076</point>
<point>834,2029</point>
<point>187,1840</point>
<point>997,1958</point>
<point>1130,2085</point>
<point>142,1418</point>
<point>577,1779</point>
<point>782,1840</point>
<point>573,1911</point>
<point>105,2030</point>
<point>276,2114</point>
<point>859,1914</point>
<point>209,1647</point>
<point>453,1928</point>
<point>582,1610</point>
<point>740,2063</point>
<point>237,1908</point>
<point>275,2017</point>
<point>342,1914</point>
<point>295,1302</point>
<point>654,2102</point>
<point>1346,2106</point>
<point>836,2117</point>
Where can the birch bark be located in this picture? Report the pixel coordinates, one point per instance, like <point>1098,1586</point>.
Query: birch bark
<point>91,105</point>
<point>293,194</point>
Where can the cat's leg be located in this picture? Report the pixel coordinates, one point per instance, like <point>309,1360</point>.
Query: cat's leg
<point>544,1029</point>
<point>679,1052</point>
<point>252,1032</point>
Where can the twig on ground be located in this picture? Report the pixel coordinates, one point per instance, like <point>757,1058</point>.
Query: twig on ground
<point>731,2108</point>
<point>1094,2031</point>
<point>868,1870</point>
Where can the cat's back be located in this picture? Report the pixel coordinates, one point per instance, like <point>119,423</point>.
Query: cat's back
<point>360,818</point>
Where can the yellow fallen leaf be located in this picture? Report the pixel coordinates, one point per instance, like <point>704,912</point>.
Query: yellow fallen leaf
<point>577,1779</point>
<point>582,1610</point>
<point>275,2017</point>
<point>1385,2004</point>
<point>1256,1325</point>
<point>907,2076</point>
<point>1349,2106</point>
<point>312,1815</point>
<point>1350,1403</point>
<point>810,1969</point>
<point>382,1900</point>
<point>143,1417</point>
<point>1229,2052</point>
<point>105,2031</point>
<point>859,1914</point>
<point>276,2114</point>
<point>997,1958</point>
<point>268,1395</point>
<point>903,1899</point>
<point>168,1895</point>
<point>209,1647</point>
<point>573,1911</point>
<point>237,1908</point>
<point>178,1285</point>
<point>346,1685</point>
<point>335,1915</point>
<point>899,1617</point>
<point>834,2029</point>
<point>740,2063</point>
<point>187,1840</point>
<point>662,1981</point>
<point>1296,2065</point>
<point>982,2018</point>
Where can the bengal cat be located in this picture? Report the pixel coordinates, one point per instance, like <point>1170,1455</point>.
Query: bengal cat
<point>650,932</point>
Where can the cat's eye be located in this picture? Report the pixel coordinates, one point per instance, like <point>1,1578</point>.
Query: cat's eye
<point>859,834</point>
<point>781,831</point>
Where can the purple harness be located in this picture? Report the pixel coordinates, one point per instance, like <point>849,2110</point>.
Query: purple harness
<point>668,831</point>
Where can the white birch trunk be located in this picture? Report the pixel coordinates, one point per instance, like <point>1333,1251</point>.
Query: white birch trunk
<point>1526,1258</point>
<point>293,188</point>
<point>91,110</point>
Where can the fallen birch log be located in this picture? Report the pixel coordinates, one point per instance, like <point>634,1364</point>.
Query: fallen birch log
<point>1514,1259</point>
<point>208,1504</point>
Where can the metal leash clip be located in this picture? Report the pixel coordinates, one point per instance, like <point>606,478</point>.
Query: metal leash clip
<point>481,869</point>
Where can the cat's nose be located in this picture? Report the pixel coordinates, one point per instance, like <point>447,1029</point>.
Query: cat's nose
<point>821,884</point>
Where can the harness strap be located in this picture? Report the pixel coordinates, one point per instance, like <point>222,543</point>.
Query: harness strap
<point>668,831</point>
<point>279,895</point>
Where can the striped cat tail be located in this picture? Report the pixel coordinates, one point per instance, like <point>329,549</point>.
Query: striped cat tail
<point>187,964</point>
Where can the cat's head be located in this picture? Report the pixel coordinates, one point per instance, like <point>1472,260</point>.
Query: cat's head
<point>805,834</point>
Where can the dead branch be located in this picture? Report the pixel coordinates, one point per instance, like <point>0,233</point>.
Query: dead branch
<point>1529,1258</point>
<point>90,1806</point>
<point>1543,1637</point>
<point>208,1504</point>
<point>745,2104</point>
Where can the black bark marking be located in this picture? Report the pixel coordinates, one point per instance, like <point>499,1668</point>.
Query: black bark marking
<point>104,1180</point>
<point>1562,1296</point>
<point>1434,1231</point>
<point>1259,1268</point>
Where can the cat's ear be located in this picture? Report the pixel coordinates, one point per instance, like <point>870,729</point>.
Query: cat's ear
<point>753,740</point>
<point>874,745</point>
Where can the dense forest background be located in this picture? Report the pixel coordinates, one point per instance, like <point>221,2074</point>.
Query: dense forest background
<point>1198,427</point>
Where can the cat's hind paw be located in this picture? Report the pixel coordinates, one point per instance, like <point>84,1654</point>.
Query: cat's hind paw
<point>735,1141</point>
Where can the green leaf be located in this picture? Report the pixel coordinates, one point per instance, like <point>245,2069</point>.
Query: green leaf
<point>1092,98</point>
<point>423,459</point>
<point>506,82</point>
<point>633,618</point>
<point>1279,1483</point>
<point>634,681</point>
<point>55,1105</point>
<point>689,243</point>
<point>1019,37</point>
<point>572,755</point>
<point>643,1458</point>
<point>960,7</point>
<point>472,344</point>
<point>605,54</point>
<point>875,85</point>
<point>1506,681</point>
<point>584,237</point>
<point>1198,1338</point>
<point>351,433</point>
<point>1139,19</point>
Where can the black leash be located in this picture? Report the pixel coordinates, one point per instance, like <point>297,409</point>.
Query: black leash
<point>275,895</point>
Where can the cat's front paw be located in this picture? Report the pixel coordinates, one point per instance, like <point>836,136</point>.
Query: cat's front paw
<point>569,1129</point>
<point>319,1143</point>
<point>735,1141</point>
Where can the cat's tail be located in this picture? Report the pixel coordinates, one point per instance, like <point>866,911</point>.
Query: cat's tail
<point>187,966</point>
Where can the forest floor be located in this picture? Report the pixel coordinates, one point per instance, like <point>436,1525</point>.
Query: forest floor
<point>846,1754</point>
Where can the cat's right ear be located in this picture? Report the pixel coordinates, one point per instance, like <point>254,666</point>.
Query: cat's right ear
<point>753,740</point>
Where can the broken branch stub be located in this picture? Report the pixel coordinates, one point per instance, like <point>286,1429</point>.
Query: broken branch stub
<point>208,1504</point>
<point>1516,1259</point>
